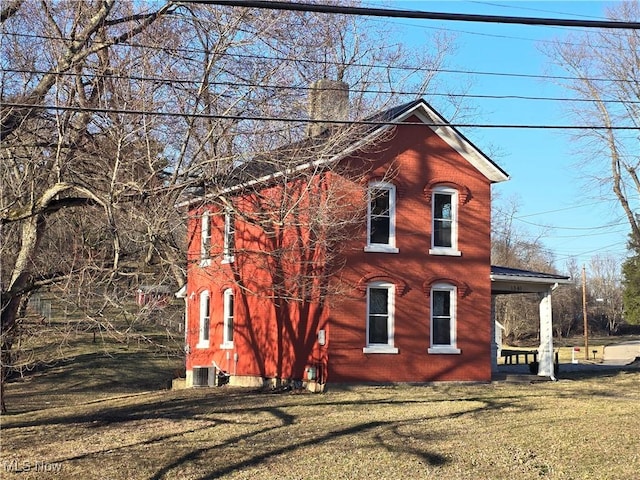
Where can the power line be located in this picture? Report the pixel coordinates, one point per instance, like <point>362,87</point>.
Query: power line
<point>355,64</point>
<point>394,13</point>
<point>305,121</point>
<point>235,84</point>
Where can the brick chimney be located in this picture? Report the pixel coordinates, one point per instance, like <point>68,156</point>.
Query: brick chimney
<point>328,100</point>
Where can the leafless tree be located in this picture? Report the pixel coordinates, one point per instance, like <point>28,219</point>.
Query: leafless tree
<point>605,293</point>
<point>113,111</point>
<point>513,246</point>
<point>605,66</point>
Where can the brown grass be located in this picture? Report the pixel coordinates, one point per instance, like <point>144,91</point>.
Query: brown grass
<point>579,428</point>
<point>99,411</point>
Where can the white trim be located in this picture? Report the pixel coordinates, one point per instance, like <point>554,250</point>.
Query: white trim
<point>536,280</point>
<point>443,350</point>
<point>389,247</point>
<point>380,349</point>
<point>426,114</point>
<point>204,320</point>
<point>379,248</point>
<point>452,193</point>
<point>451,347</point>
<point>387,347</point>
<point>445,252</point>
<point>228,244</point>
<point>455,140</point>
<point>227,314</point>
<point>205,233</point>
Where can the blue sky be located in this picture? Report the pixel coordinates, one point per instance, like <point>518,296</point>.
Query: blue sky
<point>555,199</point>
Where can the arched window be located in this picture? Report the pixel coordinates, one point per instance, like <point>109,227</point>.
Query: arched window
<point>229,237</point>
<point>205,238</point>
<point>444,214</point>
<point>443,319</point>
<point>381,218</point>
<point>380,318</point>
<point>205,316</point>
<point>227,319</point>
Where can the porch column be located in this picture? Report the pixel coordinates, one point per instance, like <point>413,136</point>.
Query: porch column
<point>545,352</point>
<point>494,342</point>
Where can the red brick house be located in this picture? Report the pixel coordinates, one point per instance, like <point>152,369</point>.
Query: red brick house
<point>404,295</point>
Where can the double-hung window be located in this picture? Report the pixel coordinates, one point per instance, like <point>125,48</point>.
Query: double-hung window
<point>444,231</point>
<point>381,218</point>
<point>227,320</point>
<point>229,237</point>
<point>205,238</point>
<point>380,312</point>
<point>205,315</point>
<point>443,319</point>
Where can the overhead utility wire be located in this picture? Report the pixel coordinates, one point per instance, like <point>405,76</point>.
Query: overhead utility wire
<point>366,65</point>
<point>394,13</point>
<point>164,80</point>
<point>305,121</point>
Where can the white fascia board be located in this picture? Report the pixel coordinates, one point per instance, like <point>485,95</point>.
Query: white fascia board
<point>453,138</point>
<point>316,163</point>
<point>426,115</point>
<point>538,280</point>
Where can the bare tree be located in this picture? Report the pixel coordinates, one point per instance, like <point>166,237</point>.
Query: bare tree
<point>512,246</point>
<point>605,293</point>
<point>604,66</point>
<point>112,111</point>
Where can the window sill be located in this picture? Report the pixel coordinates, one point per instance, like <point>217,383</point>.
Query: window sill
<point>380,349</point>
<point>205,262</point>
<point>381,249</point>
<point>227,260</point>
<point>449,252</point>
<point>444,350</point>
<point>202,345</point>
<point>226,346</point>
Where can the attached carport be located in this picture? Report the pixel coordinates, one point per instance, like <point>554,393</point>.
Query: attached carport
<point>510,281</point>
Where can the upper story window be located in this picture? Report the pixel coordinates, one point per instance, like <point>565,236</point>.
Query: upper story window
<point>443,319</point>
<point>229,237</point>
<point>381,218</point>
<point>205,316</point>
<point>227,320</point>
<point>380,321</point>
<point>205,237</point>
<point>444,231</point>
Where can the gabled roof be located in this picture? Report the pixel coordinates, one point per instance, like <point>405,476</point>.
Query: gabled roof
<point>456,140</point>
<point>283,160</point>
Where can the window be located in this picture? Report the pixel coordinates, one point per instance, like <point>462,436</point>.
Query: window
<point>229,237</point>
<point>227,321</point>
<point>381,228</point>
<point>205,312</point>
<point>444,237</point>
<point>205,242</point>
<point>380,307</point>
<point>443,319</point>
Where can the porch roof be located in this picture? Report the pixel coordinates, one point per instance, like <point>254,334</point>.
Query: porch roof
<point>507,280</point>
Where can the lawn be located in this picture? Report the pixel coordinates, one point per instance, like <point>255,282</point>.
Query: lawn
<point>582,427</point>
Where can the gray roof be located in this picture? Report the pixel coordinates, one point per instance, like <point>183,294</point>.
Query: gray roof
<point>516,272</point>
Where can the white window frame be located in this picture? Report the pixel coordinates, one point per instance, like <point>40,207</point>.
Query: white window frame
<point>389,247</point>
<point>204,323</point>
<point>452,347</point>
<point>228,301</point>
<point>228,249</point>
<point>389,346</point>
<point>205,239</point>
<point>438,249</point>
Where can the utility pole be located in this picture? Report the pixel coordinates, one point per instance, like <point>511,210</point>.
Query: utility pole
<point>584,313</point>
